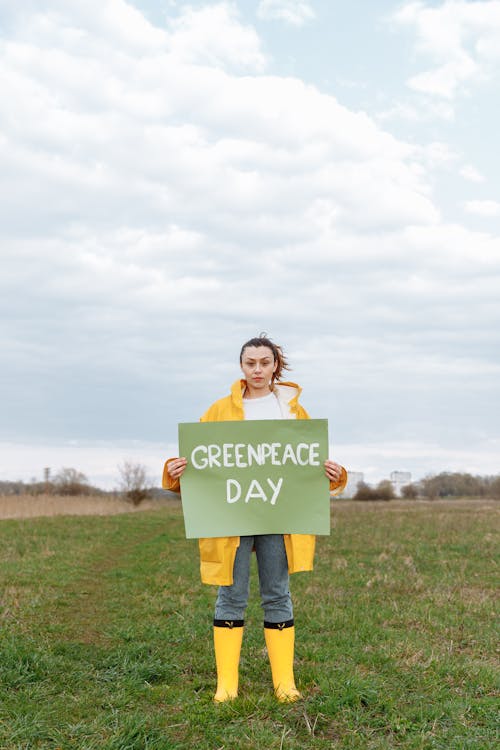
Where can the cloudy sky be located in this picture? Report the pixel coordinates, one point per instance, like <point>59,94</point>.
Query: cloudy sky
<point>178,176</point>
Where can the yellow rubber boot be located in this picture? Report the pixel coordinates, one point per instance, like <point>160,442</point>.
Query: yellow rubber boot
<point>227,642</point>
<point>280,642</point>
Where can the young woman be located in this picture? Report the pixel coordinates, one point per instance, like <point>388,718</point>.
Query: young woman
<point>225,561</point>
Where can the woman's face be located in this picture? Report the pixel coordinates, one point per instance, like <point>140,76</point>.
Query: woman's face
<point>258,365</point>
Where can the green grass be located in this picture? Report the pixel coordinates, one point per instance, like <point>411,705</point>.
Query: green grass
<point>106,636</point>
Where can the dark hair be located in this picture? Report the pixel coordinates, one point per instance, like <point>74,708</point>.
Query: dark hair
<point>263,340</point>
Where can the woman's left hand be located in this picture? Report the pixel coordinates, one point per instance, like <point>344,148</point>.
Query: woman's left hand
<point>333,471</point>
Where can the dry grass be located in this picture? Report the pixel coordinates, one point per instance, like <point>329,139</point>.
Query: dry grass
<point>29,506</point>
<point>399,504</point>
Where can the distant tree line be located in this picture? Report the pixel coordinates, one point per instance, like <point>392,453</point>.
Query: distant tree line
<point>133,484</point>
<point>383,491</point>
<point>136,487</point>
<point>67,481</point>
<point>444,485</point>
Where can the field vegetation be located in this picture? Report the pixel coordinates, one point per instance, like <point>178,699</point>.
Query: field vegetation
<point>435,486</point>
<point>102,504</point>
<point>105,635</point>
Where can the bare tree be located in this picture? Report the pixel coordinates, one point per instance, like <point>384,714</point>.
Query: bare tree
<point>134,482</point>
<point>409,491</point>
<point>69,481</point>
<point>383,491</point>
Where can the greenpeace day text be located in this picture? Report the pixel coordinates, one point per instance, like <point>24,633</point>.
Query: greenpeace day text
<point>255,477</point>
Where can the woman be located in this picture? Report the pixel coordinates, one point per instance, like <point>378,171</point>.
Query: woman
<point>225,561</point>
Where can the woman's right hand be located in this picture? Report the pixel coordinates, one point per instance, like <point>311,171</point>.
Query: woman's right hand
<point>176,467</point>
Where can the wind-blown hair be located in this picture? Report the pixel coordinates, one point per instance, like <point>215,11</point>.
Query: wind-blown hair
<point>279,357</point>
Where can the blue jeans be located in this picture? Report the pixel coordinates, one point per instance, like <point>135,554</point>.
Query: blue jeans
<point>273,581</point>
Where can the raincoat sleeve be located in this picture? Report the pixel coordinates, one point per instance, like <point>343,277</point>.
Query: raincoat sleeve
<point>337,487</point>
<point>168,482</point>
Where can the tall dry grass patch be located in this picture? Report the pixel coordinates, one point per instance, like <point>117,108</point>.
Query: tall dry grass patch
<point>30,506</point>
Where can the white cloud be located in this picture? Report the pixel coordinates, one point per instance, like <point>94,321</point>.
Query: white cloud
<point>294,12</point>
<point>483,208</point>
<point>163,199</point>
<point>84,26</point>
<point>444,81</point>
<point>214,35</point>
<point>421,111</point>
<point>471,173</point>
<point>461,39</point>
<point>439,154</point>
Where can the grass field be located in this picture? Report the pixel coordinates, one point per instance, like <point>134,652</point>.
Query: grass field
<point>106,636</point>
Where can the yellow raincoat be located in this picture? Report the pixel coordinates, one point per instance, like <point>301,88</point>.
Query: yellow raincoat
<point>217,553</point>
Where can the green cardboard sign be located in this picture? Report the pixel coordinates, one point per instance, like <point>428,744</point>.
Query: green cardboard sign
<point>255,477</point>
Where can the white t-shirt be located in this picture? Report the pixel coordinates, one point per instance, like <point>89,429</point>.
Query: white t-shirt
<point>266,407</point>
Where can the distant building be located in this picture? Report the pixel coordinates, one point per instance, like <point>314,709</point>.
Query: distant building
<point>400,479</point>
<point>353,479</point>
